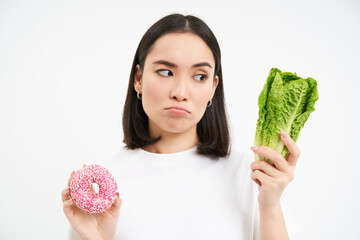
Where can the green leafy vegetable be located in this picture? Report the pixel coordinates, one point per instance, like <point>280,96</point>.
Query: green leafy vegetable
<point>285,104</point>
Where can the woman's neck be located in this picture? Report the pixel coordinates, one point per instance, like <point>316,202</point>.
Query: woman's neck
<point>174,142</point>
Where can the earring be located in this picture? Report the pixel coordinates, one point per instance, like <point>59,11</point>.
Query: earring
<point>138,94</point>
<point>209,103</point>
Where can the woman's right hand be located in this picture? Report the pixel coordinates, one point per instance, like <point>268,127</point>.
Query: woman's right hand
<point>91,225</point>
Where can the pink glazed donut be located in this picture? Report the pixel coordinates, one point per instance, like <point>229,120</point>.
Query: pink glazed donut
<point>80,189</point>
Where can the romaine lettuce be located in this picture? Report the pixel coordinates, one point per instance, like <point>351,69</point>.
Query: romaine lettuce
<point>285,103</point>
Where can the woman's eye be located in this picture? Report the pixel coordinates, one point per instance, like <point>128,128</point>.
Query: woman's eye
<point>165,73</point>
<point>200,77</point>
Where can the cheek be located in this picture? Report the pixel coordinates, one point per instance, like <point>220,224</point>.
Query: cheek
<point>202,97</point>
<point>153,94</point>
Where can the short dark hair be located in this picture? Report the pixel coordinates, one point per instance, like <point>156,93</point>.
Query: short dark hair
<point>212,129</point>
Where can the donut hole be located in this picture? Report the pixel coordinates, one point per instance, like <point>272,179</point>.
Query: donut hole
<point>95,188</point>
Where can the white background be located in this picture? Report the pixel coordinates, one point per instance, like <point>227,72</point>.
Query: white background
<point>64,69</point>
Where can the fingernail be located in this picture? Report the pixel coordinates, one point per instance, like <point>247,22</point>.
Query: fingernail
<point>284,134</point>
<point>254,148</point>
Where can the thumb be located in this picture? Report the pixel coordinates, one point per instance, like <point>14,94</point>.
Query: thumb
<point>68,208</point>
<point>115,208</point>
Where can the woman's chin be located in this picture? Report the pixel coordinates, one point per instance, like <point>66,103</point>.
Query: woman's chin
<point>172,126</point>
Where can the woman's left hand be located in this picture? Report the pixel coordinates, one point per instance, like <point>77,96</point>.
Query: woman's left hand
<point>272,180</point>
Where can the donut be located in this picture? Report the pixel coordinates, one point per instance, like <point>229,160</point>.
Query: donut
<point>80,189</point>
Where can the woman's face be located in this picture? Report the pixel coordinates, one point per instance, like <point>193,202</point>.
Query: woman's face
<point>176,83</point>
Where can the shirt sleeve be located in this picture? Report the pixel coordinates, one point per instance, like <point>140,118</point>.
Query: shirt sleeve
<point>256,232</point>
<point>247,193</point>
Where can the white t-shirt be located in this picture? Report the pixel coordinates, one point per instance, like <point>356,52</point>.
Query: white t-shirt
<point>185,196</point>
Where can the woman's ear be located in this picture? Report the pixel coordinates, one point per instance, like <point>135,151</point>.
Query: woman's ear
<point>216,82</point>
<point>137,78</point>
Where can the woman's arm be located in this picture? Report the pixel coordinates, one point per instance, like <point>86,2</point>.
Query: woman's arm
<point>272,223</point>
<point>272,181</point>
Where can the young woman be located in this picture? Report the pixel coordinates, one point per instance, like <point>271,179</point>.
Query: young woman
<point>178,178</point>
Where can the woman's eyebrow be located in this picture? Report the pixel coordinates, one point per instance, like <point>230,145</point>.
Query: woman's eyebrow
<point>167,63</point>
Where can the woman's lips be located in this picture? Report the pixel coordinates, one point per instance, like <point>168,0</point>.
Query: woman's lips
<point>178,111</point>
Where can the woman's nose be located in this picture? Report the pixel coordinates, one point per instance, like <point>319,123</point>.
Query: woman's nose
<point>179,89</point>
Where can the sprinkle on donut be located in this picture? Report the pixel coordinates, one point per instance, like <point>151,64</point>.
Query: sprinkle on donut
<point>80,189</point>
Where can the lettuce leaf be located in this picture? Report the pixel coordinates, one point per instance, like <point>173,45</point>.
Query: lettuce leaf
<point>285,103</point>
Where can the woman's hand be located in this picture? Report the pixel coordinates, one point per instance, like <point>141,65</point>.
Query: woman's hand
<point>91,225</point>
<point>272,180</point>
